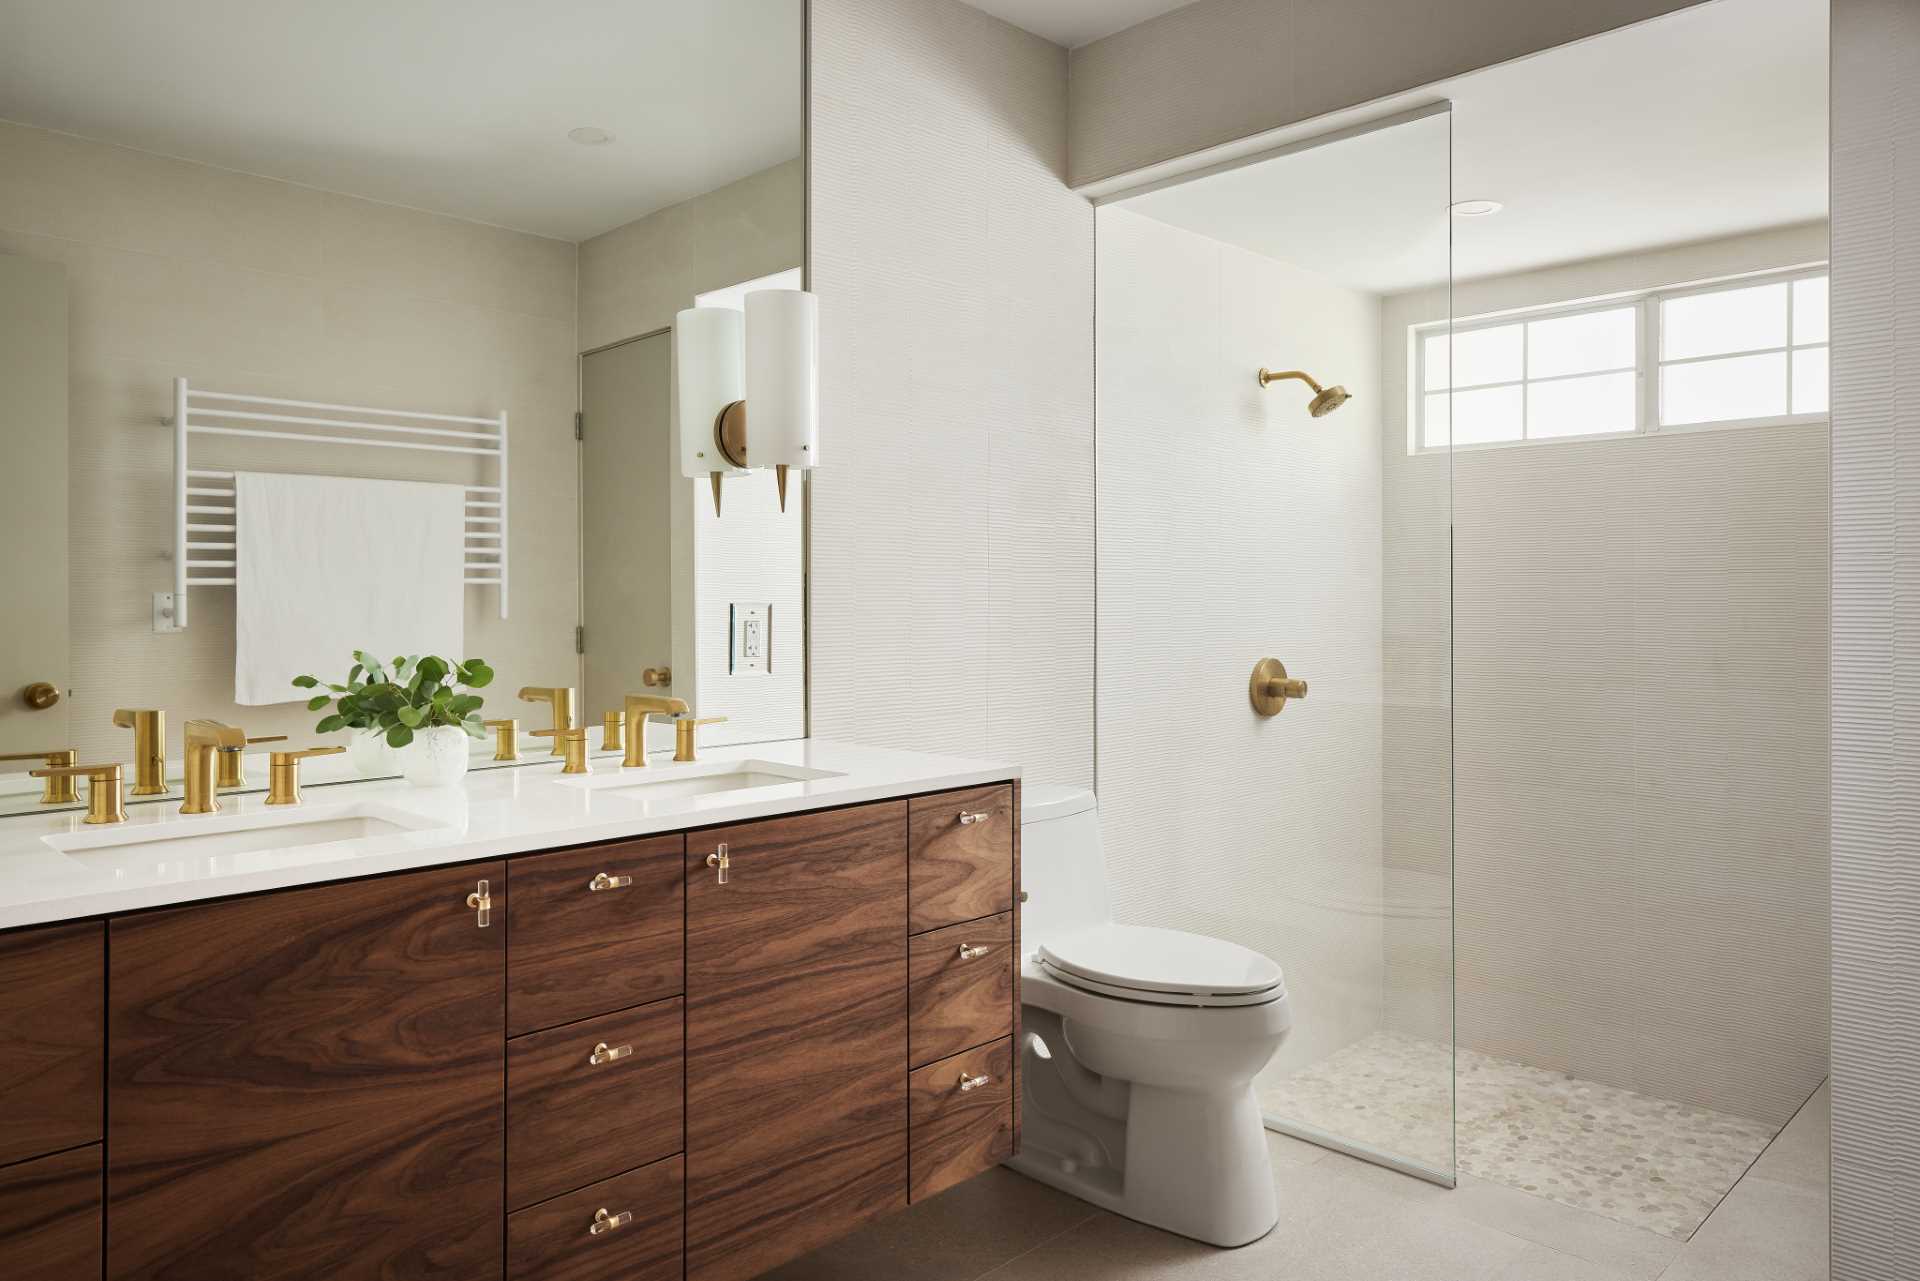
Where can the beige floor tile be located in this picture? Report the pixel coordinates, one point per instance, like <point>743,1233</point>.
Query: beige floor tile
<point>1340,1220</point>
<point>956,1236</point>
<point>1543,1263</point>
<point>1618,1248</point>
<point>1798,1156</point>
<point>1763,1231</point>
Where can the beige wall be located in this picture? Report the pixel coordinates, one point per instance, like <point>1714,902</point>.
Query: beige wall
<point>1640,732</point>
<point>1234,526</point>
<point>1876,640</point>
<point>633,278</point>
<point>952,517</point>
<point>243,283</point>
<point>1222,70</point>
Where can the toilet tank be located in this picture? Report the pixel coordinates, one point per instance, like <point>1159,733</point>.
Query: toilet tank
<point>1061,866</point>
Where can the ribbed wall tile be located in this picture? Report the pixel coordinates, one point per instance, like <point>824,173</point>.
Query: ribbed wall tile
<point>1876,640</point>
<point>952,518</point>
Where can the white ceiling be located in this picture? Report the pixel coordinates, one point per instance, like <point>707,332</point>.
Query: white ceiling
<point>1073,23</point>
<point>456,106</point>
<point>1705,123</point>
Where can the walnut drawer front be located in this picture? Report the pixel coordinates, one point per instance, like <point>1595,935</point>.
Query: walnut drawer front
<point>53,995</point>
<point>588,1100</point>
<point>959,988</point>
<point>50,1217</point>
<point>959,856</point>
<point>593,930</point>
<point>627,1228</point>
<point>962,1117</point>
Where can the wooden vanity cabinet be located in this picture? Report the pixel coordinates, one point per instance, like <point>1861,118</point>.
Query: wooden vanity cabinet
<point>594,1062</point>
<point>52,1028</point>
<point>309,1083</point>
<point>796,1035</point>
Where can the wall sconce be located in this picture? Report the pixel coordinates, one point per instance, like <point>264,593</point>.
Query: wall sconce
<point>766,358</point>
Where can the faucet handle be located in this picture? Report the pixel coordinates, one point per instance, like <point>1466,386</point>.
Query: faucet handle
<point>572,743</point>
<point>505,738</point>
<point>283,772</point>
<point>683,728</point>
<point>59,789</point>
<point>103,788</point>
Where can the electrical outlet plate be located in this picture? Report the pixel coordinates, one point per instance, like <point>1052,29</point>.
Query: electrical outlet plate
<point>750,647</point>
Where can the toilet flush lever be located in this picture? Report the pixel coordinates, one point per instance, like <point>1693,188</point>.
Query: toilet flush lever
<point>719,862</point>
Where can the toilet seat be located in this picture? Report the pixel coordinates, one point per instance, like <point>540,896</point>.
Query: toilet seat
<point>1161,967</point>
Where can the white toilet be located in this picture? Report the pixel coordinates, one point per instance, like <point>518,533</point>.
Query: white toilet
<point>1140,1045</point>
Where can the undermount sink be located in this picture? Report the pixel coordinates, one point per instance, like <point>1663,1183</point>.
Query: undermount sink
<point>678,782</point>
<point>255,838</point>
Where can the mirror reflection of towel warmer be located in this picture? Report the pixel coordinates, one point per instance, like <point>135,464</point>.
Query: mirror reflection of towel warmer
<point>203,500</point>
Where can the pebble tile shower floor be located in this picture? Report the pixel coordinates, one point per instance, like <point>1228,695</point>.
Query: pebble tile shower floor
<point>1632,1158</point>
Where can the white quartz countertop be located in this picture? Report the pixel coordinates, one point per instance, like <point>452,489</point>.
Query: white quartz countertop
<point>47,873</point>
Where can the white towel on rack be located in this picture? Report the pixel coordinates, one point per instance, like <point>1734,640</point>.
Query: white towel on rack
<point>331,564</point>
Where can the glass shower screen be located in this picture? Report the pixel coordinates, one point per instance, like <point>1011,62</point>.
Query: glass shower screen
<point>1249,524</point>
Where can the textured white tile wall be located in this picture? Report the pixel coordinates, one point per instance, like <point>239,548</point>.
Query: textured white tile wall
<point>952,514</point>
<point>1222,70</point>
<point>1640,715</point>
<point>1233,526</point>
<point>248,284</point>
<point>1876,640</point>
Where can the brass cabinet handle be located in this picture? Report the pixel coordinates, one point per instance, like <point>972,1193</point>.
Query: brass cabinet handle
<point>968,951</point>
<point>481,901</point>
<point>969,819</point>
<point>605,882</point>
<point>604,1222</point>
<point>973,1082</point>
<point>719,861</point>
<point>40,695</point>
<point>602,1053</point>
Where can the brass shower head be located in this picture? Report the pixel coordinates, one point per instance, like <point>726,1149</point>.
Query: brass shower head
<point>1325,399</point>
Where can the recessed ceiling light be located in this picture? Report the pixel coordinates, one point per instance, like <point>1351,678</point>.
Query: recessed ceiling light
<point>1476,208</point>
<point>588,136</point>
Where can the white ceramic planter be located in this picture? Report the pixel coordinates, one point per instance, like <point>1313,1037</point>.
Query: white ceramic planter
<point>371,757</point>
<point>437,756</point>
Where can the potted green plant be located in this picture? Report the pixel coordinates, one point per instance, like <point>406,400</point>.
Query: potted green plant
<point>413,718</point>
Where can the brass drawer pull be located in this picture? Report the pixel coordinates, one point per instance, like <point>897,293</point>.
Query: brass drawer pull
<point>969,818</point>
<point>968,951</point>
<point>605,882</point>
<point>604,1222</point>
<point>973,1082</point>
<point>602,1053</point>
<point>482,903</point>
<point>720,863</point>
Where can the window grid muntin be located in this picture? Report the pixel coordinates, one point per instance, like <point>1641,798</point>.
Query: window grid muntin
<point>1647,370</point>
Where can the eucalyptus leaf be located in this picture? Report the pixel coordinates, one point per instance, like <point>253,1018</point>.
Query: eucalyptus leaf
<point>399,736</point>
<point>328,724</point>
<point>306,682</point>
<point>315,704</point>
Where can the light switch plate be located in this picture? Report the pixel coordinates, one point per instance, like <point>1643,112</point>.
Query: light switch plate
<point>751,647</point>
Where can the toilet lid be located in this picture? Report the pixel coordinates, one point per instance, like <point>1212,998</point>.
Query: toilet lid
<point>1129,959</point>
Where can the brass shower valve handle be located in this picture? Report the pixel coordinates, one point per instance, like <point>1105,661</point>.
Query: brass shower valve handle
<point>1271,687</point>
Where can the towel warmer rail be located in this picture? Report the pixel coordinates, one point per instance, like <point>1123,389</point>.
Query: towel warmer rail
<point>203,506</point>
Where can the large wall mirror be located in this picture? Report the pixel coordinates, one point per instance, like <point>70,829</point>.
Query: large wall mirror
<point>412,272</point>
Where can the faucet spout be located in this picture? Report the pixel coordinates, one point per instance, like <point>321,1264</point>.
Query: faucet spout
<point>205,740</point>
<point>639,708</point>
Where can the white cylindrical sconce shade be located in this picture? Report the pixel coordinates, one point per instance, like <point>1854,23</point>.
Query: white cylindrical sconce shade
<point>709,354</point>
<point>783,381</point>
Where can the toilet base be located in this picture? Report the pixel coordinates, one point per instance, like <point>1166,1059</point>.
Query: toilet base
<point>1190,1162</point>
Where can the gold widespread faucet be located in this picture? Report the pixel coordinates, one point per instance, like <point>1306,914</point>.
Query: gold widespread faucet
<point>58,788</point>
<point>506,733</point>
<point>103,788</point>
<point>683,735</point>
<point>149,726</point>
<point>562,700</point>
<point>283,773</point>
<point>639,708</point>
<point>205,741</point>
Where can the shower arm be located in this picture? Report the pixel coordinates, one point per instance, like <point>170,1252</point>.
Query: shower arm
<point>1269,376</point>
